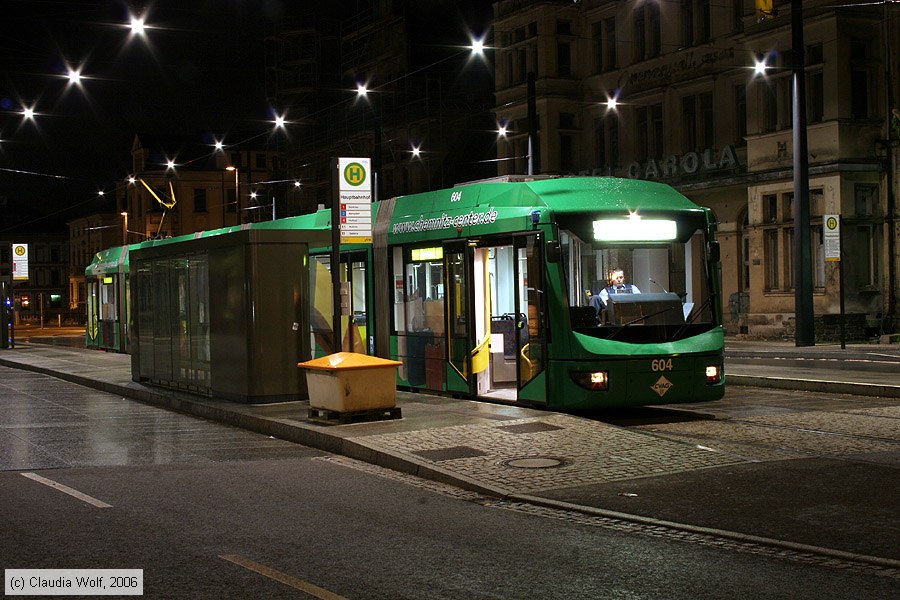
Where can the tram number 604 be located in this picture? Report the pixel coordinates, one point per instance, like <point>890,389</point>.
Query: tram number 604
<point>661,364</point>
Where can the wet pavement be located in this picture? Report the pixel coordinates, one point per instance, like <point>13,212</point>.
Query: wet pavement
<point>816,470</point>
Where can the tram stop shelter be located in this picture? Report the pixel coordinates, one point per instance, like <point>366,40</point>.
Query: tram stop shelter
<point>225,314</point>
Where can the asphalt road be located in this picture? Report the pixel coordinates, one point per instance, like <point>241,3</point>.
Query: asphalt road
<point>209,511</point>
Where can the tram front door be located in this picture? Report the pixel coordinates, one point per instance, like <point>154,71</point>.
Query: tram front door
<point>496,332</point>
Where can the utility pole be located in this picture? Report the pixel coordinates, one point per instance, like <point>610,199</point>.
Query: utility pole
<point>804,333</point>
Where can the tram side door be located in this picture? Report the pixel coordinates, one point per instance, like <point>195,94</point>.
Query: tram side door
<point>531,320</point>
<point>479,289</point>
<point>458,278</point>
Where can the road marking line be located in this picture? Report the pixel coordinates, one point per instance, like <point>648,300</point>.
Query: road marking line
<point>66,490</point>
<point>299,584</point>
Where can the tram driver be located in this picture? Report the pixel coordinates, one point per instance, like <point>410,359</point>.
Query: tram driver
<point>617,285</point>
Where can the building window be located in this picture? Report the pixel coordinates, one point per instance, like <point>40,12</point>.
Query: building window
<point>566,120</point>
<point>860,80</point>
<point>521,65</point>
<point>612,137</point>
<point>261,161</point>
<point>647,31</point>
<point>770,107</point>
<point>778,240</point>
<point>817,240</point>
<point>859,100</point>
<point>649,131</point>
<point>770,208</point>
<point>737,15</point>
<point>864,244</point>
<point>610,26</point>
<point>740,108</point>
<point>697,114</point>
<point>705,17</point>
<point>563,59</point>
<point>597,42</point>
<point>236,160</point>
<point>866,199</point>
<point>772,258</point>
<point>566,153</point>
<point>640,34</point>
<point>654,35</point>
<point>687,22</point>
<point>603,36</point>
<point>815,96</point>
<point>864,256</point>
<point>563,27</point>
<point>231,203</point>
<point>600,155</point>
<point>199,200</point>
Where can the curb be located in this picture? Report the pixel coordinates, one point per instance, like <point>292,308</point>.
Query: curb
<point>813,385</point>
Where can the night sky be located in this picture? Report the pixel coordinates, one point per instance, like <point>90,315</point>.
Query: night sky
<point>200,68</point>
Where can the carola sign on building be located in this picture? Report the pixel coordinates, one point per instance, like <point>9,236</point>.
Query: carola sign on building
<point>686,164</point>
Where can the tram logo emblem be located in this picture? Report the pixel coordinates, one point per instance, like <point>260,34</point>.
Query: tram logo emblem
<point>662,386</point>
<point>355,174</point>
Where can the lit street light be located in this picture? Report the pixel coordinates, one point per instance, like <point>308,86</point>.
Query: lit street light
<point>124,228</point>
<point>237,196</point>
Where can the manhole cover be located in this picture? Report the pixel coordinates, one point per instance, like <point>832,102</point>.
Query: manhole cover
<point>536,427</point>
<point>452,453</point>
<point>534,462</point>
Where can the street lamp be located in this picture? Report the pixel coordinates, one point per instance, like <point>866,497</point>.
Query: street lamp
<point>124,228</point>
<point>237,196</point>
<point>362,91</point>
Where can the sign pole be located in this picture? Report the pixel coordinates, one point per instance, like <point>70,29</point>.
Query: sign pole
<point>841,279</point>
<point>336,345</point>
<point>833,242</point>
<point>351,223</point>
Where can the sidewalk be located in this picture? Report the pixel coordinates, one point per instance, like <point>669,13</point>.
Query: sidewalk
<point>859,369</point>
<point>563,461</point>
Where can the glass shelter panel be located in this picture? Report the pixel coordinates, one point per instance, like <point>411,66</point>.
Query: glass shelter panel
<point>354,312</point>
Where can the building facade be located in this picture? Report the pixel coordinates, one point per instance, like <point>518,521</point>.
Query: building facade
<point>89,235</point>
<point>43,297</point>
<point>691,110</point>
<point>203,189</point>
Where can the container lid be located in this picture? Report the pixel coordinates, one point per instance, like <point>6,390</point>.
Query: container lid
<point>348,360</point>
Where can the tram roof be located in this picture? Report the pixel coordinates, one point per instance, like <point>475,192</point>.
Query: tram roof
<point>108,260</point>
<point>560,194</point>
<point>579,194</point>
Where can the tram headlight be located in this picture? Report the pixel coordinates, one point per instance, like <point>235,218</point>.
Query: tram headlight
<point>595,381</point>
<point>713,374</point>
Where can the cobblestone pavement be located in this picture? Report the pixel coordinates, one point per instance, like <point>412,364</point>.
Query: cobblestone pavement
<point>586,452</point>
<point>873,431</point>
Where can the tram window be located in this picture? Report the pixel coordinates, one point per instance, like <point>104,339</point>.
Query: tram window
<point>676,269</point>
<point>425,296</point>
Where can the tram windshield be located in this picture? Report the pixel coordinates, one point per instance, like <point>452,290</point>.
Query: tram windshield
<point>638,282</point>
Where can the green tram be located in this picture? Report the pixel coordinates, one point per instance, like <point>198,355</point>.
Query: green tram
<point>106,282</point>
<point>489,290</point>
